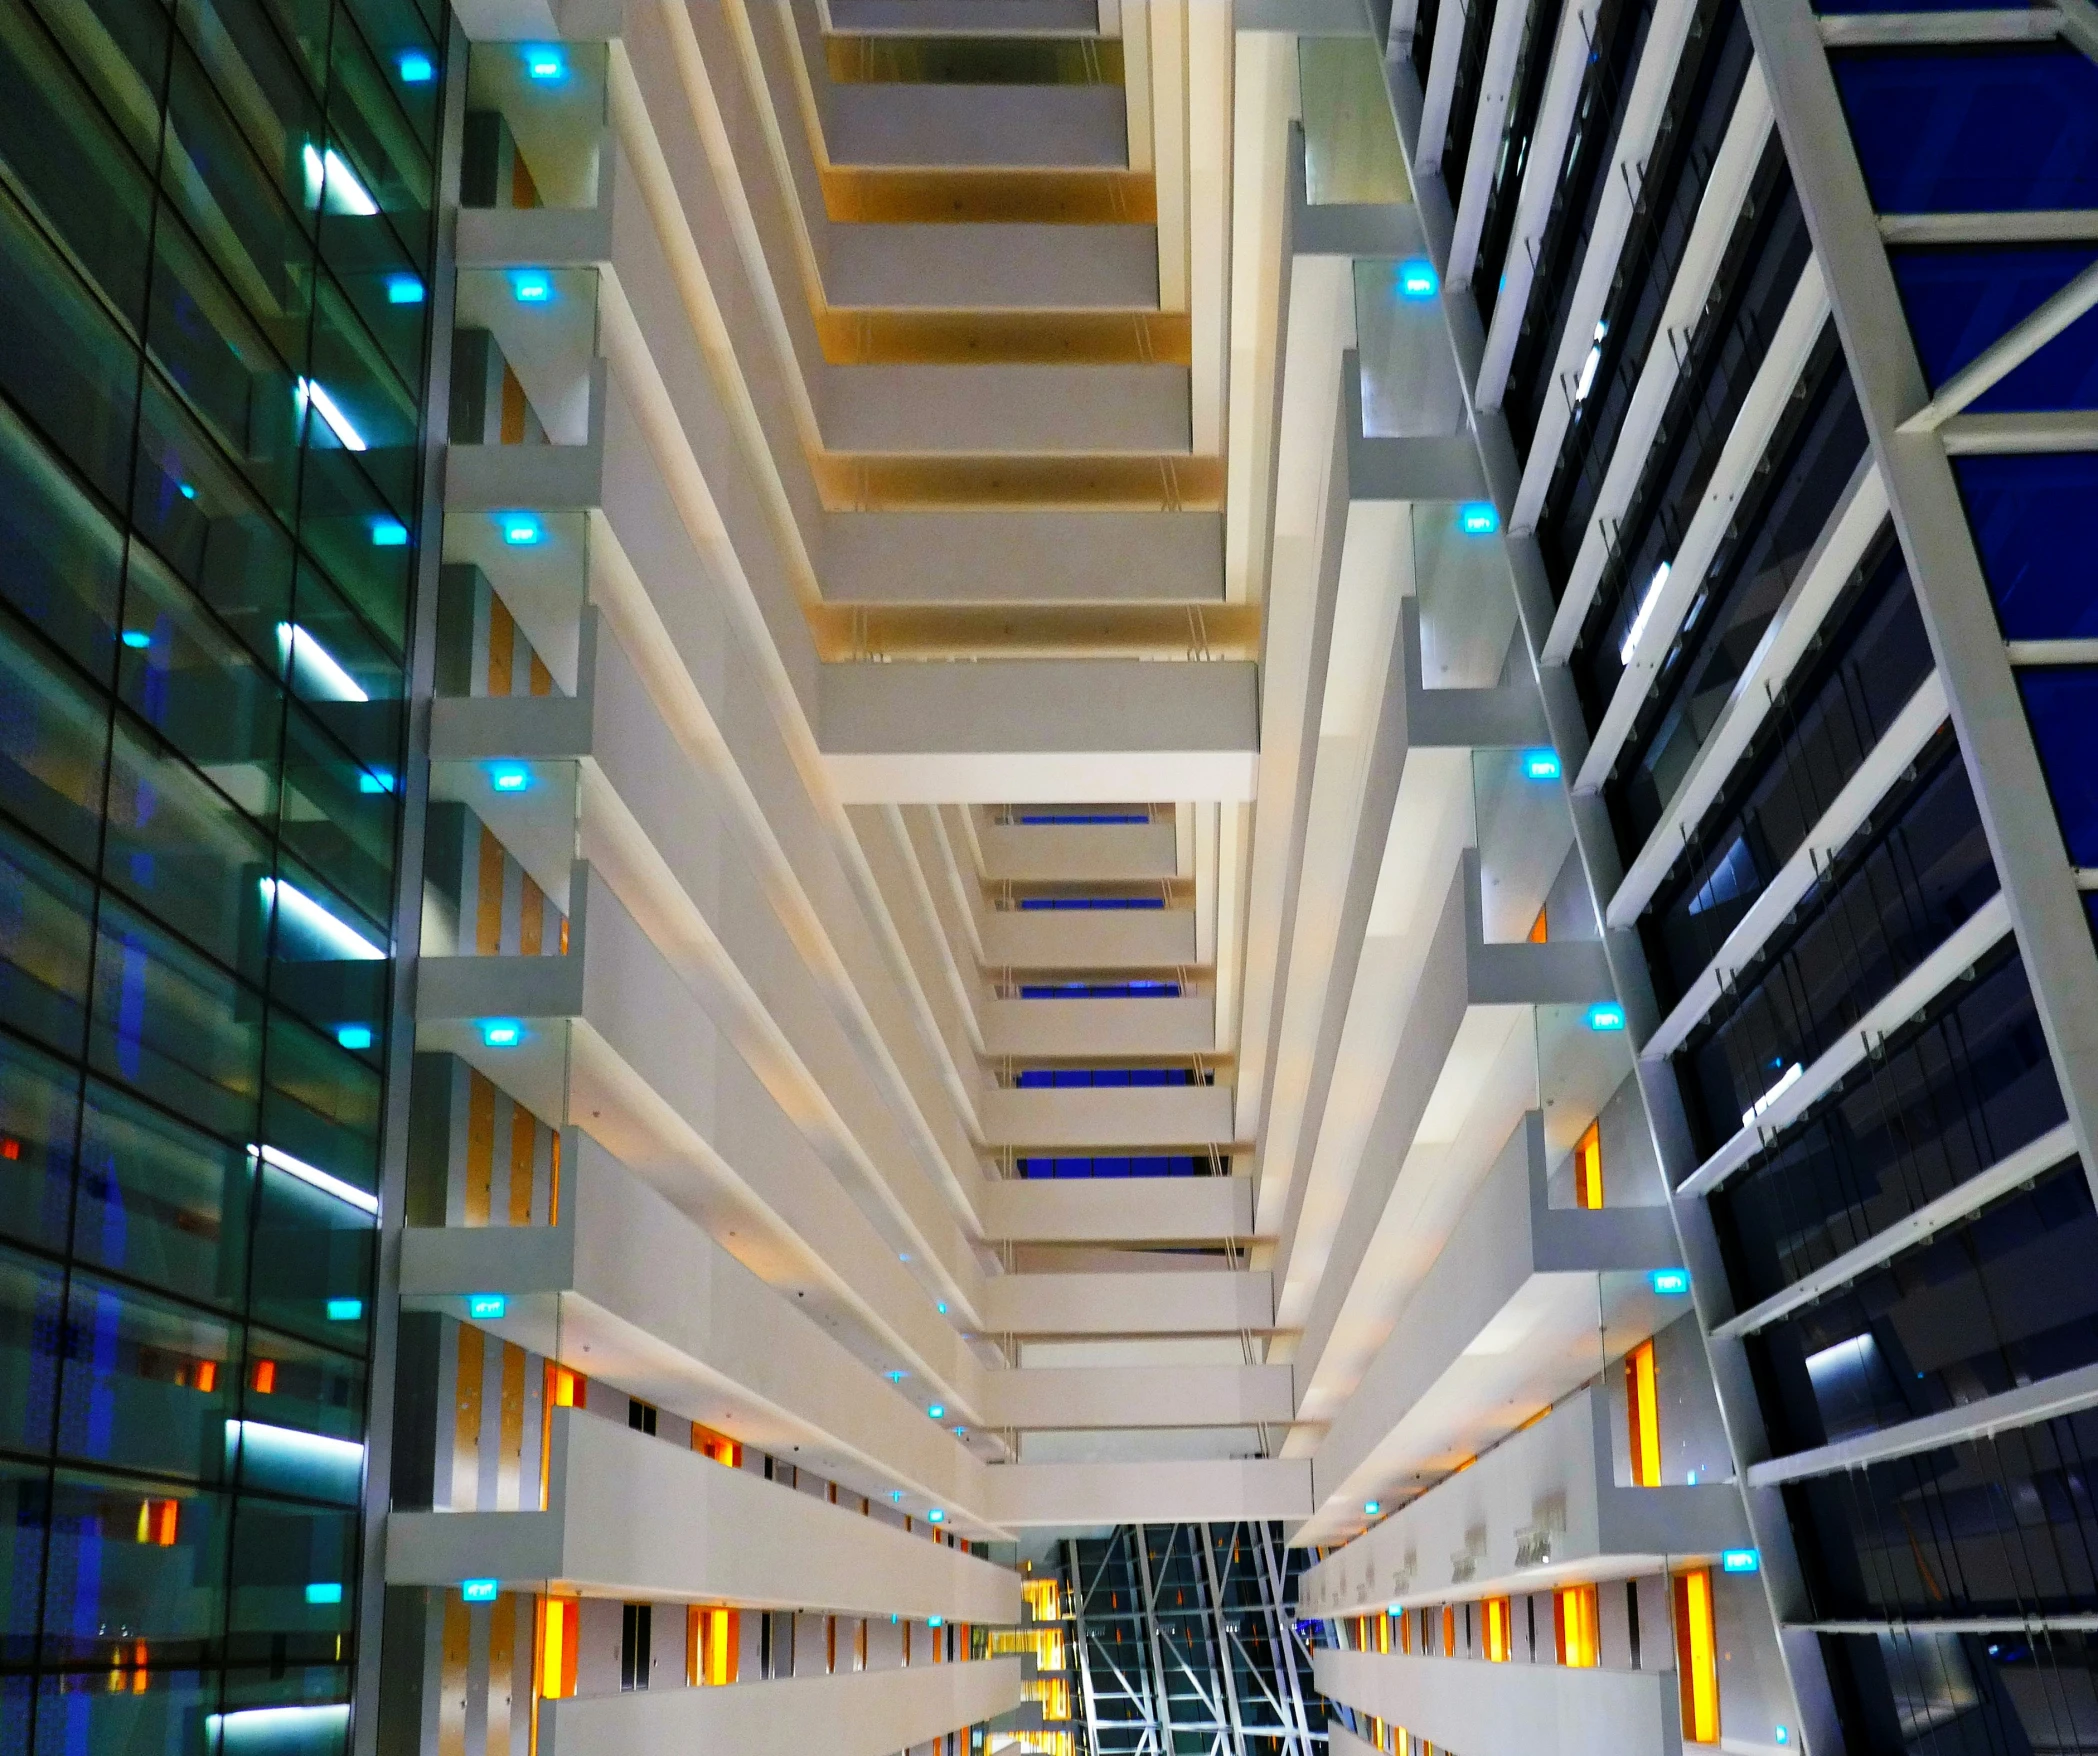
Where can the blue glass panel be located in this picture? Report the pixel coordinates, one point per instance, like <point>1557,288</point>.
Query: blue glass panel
<point>1839,7</point>
<point>1979,129</point>
<point>1960,302</point>
<point>2063,708</point>
<point>2033,520</point>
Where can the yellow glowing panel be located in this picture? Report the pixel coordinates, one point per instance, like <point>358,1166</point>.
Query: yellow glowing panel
<point>1643,1412</point>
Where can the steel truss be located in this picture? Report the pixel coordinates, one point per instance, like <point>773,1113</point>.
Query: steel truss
<point>1187,1645</point>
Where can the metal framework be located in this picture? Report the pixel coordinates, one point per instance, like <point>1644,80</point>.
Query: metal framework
<point>1187,1644</point>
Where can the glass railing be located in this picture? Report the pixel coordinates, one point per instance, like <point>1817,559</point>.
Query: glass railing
<point>524,345</point>
<point>535,125</point>
<point>1410,387</point>
<point>1596,1149</point>
<point>1523,833</point>
<point>1467,603</point>
<point>1351,144</point>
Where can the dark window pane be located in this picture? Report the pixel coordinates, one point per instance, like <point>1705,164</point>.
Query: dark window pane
<point>39,1106</point>
<point>313,1260</point>
<point>202,690</point>
<point>202,518</point>
<point>153,1712</point>
<point>54,739</point>
<point>174,1026</point>
<point>281,1550</point>
<point>147,1557</point>
<point>240,384</point>
<point>62,357</point>
<point>80,180</point>
<point>162,1202</point>
<point>60,556</point>
<point>147,1383</point>
<point>1832,713</point>
<point>183,851</point>
<point>2005,1298</point>
<point>1949,1098</point>
<point>24,1506</point>
<point>338,816</point>
<point>45,909</point>
<point>1921,868</point>
<point>31,1294</point>
<point>2003,1526</point>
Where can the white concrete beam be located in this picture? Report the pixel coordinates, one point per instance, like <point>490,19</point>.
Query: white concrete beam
<point>1048,729</point>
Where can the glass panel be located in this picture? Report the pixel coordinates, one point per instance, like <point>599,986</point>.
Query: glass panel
<point>53,753</point>
<point>205,521</point>
<point>2004,1299</point>
<point>1776,524</point>
<point>147,1558</point>
<point>146,1383</point>
<point>32,1295</point>
<point>62,358</point>
<point>2006,1690</point>
<point>339,817</point>
<point>174,1026</point>
<point>44,912</point>
<point>232,377</point>
<point>2031,518</point>
<point>1960,302</point>
<point>1466,599</point>
<point>313,1259</point>
<point>39,1099</point>
<point>1891,899</point>
<point>59,554</point>
<point>1351,144</point>
<point>1584,1080</point>
<point>77,176</point>
<point>1409,378</point>
<point>2061,704</point>
<point>541,109</point>
<point>1984,128</point>
<point>282,1552</point>
<point>2003,1526</point>
<point>1524,835</point>
<point>293,1387</point>
<point>1832,714</point>
<point>199,689</point>
<point>153,1712</point>
<point>1708,87</point>
<point>24,1507</point>
<point>1583,174</point>
<point>162,1202</point>
<point>181,849</point>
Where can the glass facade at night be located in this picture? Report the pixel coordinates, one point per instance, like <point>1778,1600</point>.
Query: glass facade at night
<point>216,224</point>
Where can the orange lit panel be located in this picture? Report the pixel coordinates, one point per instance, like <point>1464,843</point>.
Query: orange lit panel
<point>1697,1656</point>
<point>1574,1625</point>
<point>1643,1413</point>
<point>1588,1168</point>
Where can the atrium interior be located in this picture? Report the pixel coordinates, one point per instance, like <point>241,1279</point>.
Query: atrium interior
<point>1048,877</point>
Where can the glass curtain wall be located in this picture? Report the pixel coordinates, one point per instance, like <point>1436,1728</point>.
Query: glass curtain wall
<point>215,256</point>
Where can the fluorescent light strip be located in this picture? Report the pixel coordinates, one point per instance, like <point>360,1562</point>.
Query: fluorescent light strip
<point>328,680</point>
<point>319,1179</point>
<point>318,920</point>
<point>331,412</point>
